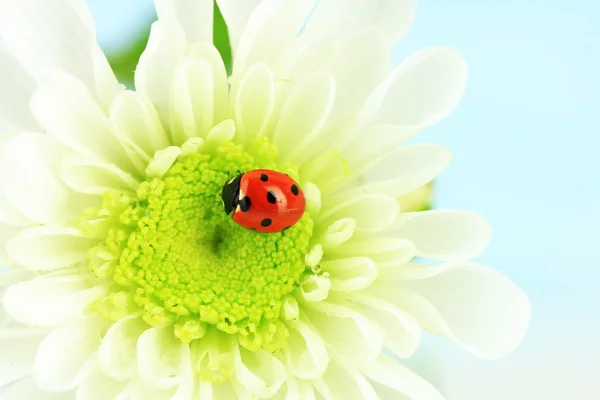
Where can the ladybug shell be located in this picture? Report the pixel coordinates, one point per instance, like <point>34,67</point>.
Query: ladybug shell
<point>268,201</point>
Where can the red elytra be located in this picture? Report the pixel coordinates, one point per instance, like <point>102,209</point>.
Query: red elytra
<point>264,201</point>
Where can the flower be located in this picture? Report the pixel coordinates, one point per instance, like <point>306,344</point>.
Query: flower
<point>125,279</point>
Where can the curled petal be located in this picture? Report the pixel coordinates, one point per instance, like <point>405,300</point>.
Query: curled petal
<point>345,382</point>
<point>349,334</point>
<point>306,354</point>
<point>117,355</point>
<point>350,274</point>
<point>159,355</point>
<point>260,372</point>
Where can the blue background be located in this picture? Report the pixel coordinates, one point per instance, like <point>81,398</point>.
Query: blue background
<point>526,142</point>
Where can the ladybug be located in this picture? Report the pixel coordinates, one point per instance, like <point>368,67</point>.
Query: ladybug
<point>263,200</point>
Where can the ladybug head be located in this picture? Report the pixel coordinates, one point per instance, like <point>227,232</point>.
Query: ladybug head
<point>230,193</point>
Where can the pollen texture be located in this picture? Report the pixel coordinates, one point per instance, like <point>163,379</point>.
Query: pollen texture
<point>171,253</point>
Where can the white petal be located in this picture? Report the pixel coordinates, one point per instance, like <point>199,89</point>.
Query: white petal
<point>9,214</point>
<point>303,116</point>
<point>360,63</point>
<point>350,335</point>
<point>187,377</point>
<point>471,304</point>
<point>154,72</point>
<point>57,367</point>
<point>12,276</point>
<point>401,331</point>
<point>99,387</point>
<point>345,382</point>
<point>209,53</point>
<point>236,15</point>
<point>27,389</point>
<point>65,109</point>
<point>91,176</point>
<point>373,142</point>
<point>295,389</point>
<point>390,373</point>
<point>254,102</point>
<point>314,256</point>
<point>305,353</point>
<point>327,170</point>
<point>224,391</point>
<point>193,94</point>
<point>309,55</point>
<point>47,248</point>
<point>338,233</point>
<point>29,176</point>
<point>260,372</point>
<point>162,161</point>
<point>350,274</point>
<point>194,16</point>
<point>117,355</point>
<point>423,90</point>
<point>159,355</point>
<point>413,271</point>
<point>371,212</point>
<point>385,252</point>
<point>444,234</point>
<point>316,288</point>
<point>312,193</point>
<point>139,127</point>
<point>406,169</point>
<point>221,133</point>
<point>334,17</point>
<point>7,232</point>
<point>50,301</point>
<point>16,88</point>
<point>17,357</point>
<point>205,390</point>
<point>138,390</point>
<point>269,34</point>
<point>57,34</point>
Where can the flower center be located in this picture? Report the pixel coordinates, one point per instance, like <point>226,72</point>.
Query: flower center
<point>172,255</point>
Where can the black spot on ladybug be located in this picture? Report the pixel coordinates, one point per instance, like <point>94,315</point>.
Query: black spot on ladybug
<point>264,177</point>
<point>245,203</point>
<point>295,190</point>
<point>266,222</point>
<point>271,198</point>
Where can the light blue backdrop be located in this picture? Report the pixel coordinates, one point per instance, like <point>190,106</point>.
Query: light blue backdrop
<point>526,144</point>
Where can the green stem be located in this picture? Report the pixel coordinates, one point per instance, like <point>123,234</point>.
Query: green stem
<point>221,38</point>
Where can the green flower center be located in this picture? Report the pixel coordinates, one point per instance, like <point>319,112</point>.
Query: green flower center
<point>172,255</point>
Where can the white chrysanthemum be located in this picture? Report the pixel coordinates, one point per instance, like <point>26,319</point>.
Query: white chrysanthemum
<point>125,279</point>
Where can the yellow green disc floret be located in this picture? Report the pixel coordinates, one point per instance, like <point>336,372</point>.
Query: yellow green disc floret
<point>173,255</point>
